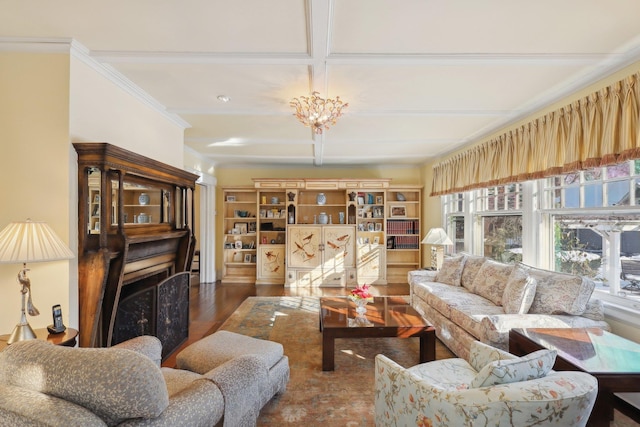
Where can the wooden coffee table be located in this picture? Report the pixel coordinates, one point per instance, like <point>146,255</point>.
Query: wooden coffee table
<point>613,360</point>
<point>385,317</point>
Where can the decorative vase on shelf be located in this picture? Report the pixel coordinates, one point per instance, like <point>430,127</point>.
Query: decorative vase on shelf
<point>143,218</point>
<point>143,199</point>
<point>323,218</point>
<point>321,199</point>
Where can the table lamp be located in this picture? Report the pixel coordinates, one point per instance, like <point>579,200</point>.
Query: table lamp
<point>437,238</point>
<point>23,242</point>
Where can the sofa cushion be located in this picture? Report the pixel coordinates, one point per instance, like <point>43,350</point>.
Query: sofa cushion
<point>519,292</point>
<point>469,315</point>
<point>440,296</point>
<point>446,374</point>
<point>472,265</point>
<point>530,367</point>
<point>491,280</point>
<point>451,271</point>
<point>558,293</point>
<point>115,384</point>
<point>222,346</point>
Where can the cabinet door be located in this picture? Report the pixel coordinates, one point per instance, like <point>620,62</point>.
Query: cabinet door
<point>271,261</point>
<point>371,263</point>
<point>339,247</point>
<point>303,246</point>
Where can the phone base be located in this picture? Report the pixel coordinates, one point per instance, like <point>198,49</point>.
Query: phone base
<point>53,330</point>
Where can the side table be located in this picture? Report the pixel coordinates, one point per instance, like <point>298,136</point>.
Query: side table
<point>613,360</point>
<point>67,338</point>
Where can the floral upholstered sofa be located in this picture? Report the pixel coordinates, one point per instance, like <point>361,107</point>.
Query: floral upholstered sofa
<point>494,388</point>
<point>476,298</point>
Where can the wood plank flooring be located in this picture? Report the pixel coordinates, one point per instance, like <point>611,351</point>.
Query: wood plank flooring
<point>213,303</point>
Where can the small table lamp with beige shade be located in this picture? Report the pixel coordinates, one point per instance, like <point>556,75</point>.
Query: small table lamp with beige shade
<point>23,242</point>
<point>437,238</point>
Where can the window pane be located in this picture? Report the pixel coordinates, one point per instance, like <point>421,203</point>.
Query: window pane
<point>577,250</point>
<point>503,237</point>
<point>637,167</point>
<point>618,193</point>
<point>457,233</point>
<point>618,171</point>
<point>593,195</point>
<point>571,178</point>
<point>572,197</point>
<point>593,174</point>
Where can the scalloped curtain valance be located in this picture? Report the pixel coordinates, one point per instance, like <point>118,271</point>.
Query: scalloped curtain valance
<point>597,130</point>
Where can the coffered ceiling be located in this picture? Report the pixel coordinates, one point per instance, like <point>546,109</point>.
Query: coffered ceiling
<point>422,77</point>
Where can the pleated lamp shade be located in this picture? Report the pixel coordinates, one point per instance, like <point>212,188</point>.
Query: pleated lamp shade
<point>31,241</point>
<point>437,236</point>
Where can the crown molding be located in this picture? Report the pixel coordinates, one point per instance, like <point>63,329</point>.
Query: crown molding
<point>83,54</point>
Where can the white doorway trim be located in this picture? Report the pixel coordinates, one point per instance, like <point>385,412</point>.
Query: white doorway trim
<point>207,234</point>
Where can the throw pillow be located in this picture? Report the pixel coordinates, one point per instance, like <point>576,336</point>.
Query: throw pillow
<point>519,292</point>
<point>491,280</point>
<point>451,271</point>
<point>472,265</point>
<point>530,367</point>
<point>559,293</point>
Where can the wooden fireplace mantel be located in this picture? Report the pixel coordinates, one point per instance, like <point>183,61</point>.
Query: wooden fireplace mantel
<point>135,218</point>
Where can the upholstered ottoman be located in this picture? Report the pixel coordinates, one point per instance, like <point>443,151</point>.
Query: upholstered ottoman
<point>221,346</point>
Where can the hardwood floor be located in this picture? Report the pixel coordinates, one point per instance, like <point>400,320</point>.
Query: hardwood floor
<point>213,303</point>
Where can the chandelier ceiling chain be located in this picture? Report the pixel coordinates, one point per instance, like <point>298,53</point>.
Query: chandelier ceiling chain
<point>317,113</point>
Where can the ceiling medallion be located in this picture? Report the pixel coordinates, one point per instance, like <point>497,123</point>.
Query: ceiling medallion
<point>317,113</point>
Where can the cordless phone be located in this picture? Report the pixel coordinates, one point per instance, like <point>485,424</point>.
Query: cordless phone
<point>58,326</point>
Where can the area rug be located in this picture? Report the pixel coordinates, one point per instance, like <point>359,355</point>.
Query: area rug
<point>343,397</point>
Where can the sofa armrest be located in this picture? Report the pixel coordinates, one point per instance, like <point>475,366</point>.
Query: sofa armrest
<point>148,345</point>
<point>24,407</point>
<point>198,404</point>
<point>241,380</point>
<point>480,355</point>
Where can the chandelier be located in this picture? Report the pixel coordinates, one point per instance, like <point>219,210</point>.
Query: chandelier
<point>317,113</point>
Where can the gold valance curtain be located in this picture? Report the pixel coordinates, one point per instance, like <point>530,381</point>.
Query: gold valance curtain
<point>598,130</point>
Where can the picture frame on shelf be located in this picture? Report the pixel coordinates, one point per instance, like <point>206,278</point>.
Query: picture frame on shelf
<point>238,244</point>
<point>379,200</point>
<point>398,211</point>
<point>361,200</point>
<point>231,198</point>
<point>378,226</point>
<point>370,226</point>
<point>263,213</point>
<point>247,257</point>
<point>376,240</point>
<point>378,212</point>
<point>242,226</point>
<point>252,227</point>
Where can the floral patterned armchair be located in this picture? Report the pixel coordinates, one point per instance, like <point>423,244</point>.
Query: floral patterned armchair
<point>494,388</point>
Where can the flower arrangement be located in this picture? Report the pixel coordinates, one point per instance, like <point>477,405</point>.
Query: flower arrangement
<point>361,292</point>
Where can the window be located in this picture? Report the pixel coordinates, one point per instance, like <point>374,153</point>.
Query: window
<point>596,224</point>
<point>586,223</point>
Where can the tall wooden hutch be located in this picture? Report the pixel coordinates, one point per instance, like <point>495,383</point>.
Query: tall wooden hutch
<point>135,239</point>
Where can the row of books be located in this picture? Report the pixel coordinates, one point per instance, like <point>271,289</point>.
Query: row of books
<point>403,226</point>
<point>403,242</point>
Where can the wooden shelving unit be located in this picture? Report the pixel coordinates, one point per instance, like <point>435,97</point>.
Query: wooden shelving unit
<point>240,235</point>
<point>382,222</point>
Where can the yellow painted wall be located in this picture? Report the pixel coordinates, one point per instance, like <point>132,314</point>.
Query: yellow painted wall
<point>34,175</point>
<point>227,177</point>
<point>47,101</point>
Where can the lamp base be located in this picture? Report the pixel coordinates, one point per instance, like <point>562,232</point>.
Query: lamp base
<point>21,332</point>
